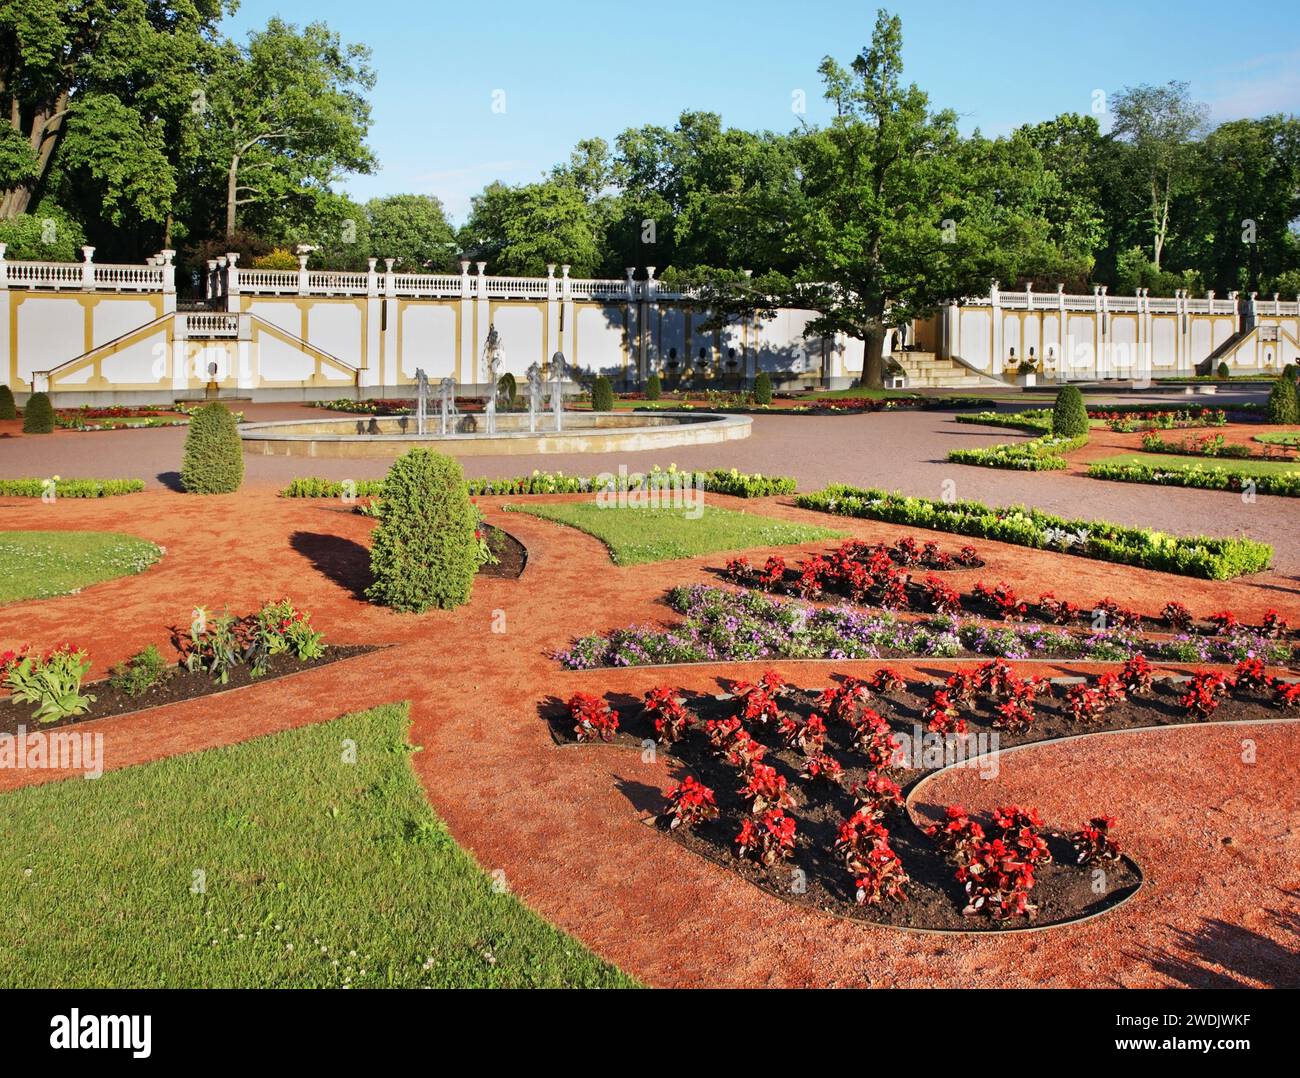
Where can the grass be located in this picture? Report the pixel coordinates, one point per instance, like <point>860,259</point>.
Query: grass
<point>855,393</point>
<point>636,535</point>
<point>37,565</point>
<point>1180,462</point>
<point>1279,437</point>
<point>316,873</point>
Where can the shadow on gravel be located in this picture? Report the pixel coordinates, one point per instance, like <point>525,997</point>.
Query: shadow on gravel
<point>172,481</point>
<point>343,561</point>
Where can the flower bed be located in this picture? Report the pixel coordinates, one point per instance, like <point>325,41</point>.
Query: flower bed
<point>722,625</point>
<point>69,488</point>
<point>1211,445</point>
<point>718,481</point>
<point>1125,419</point>
<point>1036,455</point>
<point>1201,556</point>
<point>801,791</point>
<point>1201,477</point>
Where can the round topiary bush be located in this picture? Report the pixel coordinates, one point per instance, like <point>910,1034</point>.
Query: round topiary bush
<point>602,395</point>
<point>1070,415</point>
<point>763,388</point>
<point>8,409</point>
<point>654,388</point>
<point>38,415</point>
<point>1223,371</point>
<point>1284,402</point>
<point>214,460</point>
<point>424,552</point>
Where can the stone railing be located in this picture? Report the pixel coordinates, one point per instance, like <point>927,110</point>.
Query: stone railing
<point>156,275</point>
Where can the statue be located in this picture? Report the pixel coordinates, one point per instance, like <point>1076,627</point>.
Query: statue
<point>493,353</point>
<point>421,396</point>
<point>447,397</point>
<point>536,392</point>
<point>558,368</point>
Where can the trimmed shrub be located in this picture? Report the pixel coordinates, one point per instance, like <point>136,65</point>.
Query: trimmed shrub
<point>70,488</point>
<point>214,460</point>
<point>1069,415</point>
<point>763,388</point>
<point>1223,371</point>
<point>602,395</point>
<point>38,415</point>
<point>424,552</point>
<point>507,390</point>
<point>8,409</point>
<point>653,388</point>
<point>1284,402</point>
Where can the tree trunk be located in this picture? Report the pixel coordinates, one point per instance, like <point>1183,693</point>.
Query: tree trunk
<point>873,359</point>
<point>232,196</point>
<point>47,131</point>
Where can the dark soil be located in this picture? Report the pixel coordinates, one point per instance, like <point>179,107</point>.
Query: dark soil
<point>1063,891</point>
<point>179,684</point>
<point>511,555</point>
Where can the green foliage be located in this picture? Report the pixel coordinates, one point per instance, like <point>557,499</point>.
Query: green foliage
<point>52,683</point>
<point>1036,420</point>
<point>1036,455</point>
<point>279,259</point>
<point>654,388</point>
<point>140,673</point>
<point>1070,414</point>
<point>507,390</point>
<point>1223,371</point>
<point>412,229</point>
<point>38,415</point>
<point>763,388</point>
<point>1201,476</point>
<point>214,459</point>
<point>47,234</point>
<point>39,564</point>
<point>602,395</point>
<point>8,409</point>
<point>1283,402</point>
<point>70,488</point>
<point>1200,556</point>
<point>424,552</point>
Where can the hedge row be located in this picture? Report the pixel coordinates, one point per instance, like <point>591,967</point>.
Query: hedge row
<point>718,481</point>
<point>1036,455</point>
<point>1213,477</point>
<point>1035,420</point>
<point>1201,556</point>
<point>70,488</point>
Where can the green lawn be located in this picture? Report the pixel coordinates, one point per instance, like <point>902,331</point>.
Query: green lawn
<point>1279,437</point>
<point>1174,461</point>
<point>36,565</point>
<point>638,535</point>
<point>316,872</point>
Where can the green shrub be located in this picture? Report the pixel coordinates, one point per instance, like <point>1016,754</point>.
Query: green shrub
<point>1070,415</point>
<point>1036,455</point>
<point>1203,477</point>
<point>602,395</point>
<point>70,488</point>
<point>1283,402</point>
<point>214,459</point>
<point>140,673</point>
<point>507,390</point>
<point>654,388</point>
<point>1222,371</point>
<point>763,388</point>
<point>8,409</point>
<point>38,415</point>
<point>424,552</point>
<point>52,683</point>
<point>1036,420</point>
<point>1198,555</point>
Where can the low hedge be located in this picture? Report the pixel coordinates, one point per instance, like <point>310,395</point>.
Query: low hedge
<point>1201,556</point>
<point>1035,420</point>
<point>718,481</point>
<point>1036,455</point>
<point>71,488</point>
<point>1212,477</point>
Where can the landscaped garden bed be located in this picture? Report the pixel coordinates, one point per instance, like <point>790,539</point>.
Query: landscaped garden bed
<point>1201,556</point>
<point>803,791</point>
<point>69,488</point>
<point>1258,476</point>
<point>42,564</point>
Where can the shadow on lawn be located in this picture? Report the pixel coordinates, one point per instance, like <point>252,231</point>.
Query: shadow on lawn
<point>343,561</point>
<point>1224,955</point>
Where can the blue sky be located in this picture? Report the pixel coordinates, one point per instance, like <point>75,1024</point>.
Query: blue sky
<point>571,70</point>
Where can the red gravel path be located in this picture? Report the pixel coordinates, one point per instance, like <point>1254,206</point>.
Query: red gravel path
<point>564,823</point>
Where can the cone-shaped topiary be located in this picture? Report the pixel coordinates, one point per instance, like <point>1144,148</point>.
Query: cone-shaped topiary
<point>763,388</point>
<point>214,459</point>
<point>8,410</point>
<point>1223,371</point>
<point>1069,416</point>
<point>507,389</point>
<point>1284,402</point>
<point>654,388</point>
<point>38,415</point>
<point>602,395</point>
<point>424,552</point>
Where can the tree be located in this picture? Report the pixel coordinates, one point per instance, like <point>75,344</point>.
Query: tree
<point>214,460</point>
<point>1159,123</point>
<point>412,229</point>
<point>898,212</point>
<point>522,229</point>
<point>285,114</point>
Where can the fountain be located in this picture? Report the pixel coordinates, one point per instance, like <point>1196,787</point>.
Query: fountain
<point>421,396</point>
<point>495,354</point>
<point>536,392</point>
<point>557,389</point>
<point>447,400</point>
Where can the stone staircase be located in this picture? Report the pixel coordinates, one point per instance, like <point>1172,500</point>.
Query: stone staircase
<point>925,369</point>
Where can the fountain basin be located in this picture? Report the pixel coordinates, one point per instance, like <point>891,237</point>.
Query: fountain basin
<point>584,432</point>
